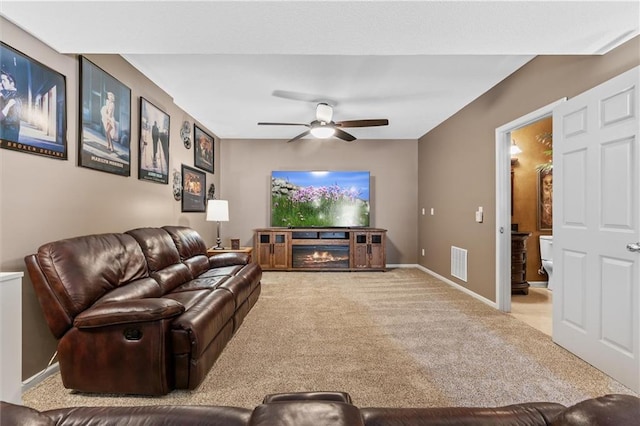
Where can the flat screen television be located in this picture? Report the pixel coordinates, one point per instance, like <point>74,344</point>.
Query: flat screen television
<point>304,199</point>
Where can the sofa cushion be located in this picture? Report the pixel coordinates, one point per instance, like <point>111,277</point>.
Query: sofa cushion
<point>162,257</point>
<point>607,410</point>
<point>206,283</point>
<point>191,247</point>
<point>137,289</point>
<point>12,414</point>
<point>81,270</point>
<point>532,414</point>
<point>200,324</point>
<point>306,413</point>
<point>165,415</point>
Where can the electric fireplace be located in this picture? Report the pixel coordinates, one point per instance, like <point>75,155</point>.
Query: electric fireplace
<point>320,256</point>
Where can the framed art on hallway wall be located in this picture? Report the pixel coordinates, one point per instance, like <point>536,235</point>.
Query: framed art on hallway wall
<point>545,200</point>
<point>32,106</point>
<point>202,149</point>
<point>105,121</point>
<point>153,148</point>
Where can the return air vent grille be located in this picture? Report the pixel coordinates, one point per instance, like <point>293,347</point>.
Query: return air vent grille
<point>459,263</point>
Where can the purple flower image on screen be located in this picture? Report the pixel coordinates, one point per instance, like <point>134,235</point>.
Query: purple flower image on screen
<point>320,198</point>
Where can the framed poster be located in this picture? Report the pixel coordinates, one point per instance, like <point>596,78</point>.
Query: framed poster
<point>194,183</point>
<point>203,149</point>
<point>105,121</point>
<point>32,106</point>
<point>545,200</point>
<point>153,149</point>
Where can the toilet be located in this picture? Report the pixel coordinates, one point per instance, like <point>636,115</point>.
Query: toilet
<point>546,255</point>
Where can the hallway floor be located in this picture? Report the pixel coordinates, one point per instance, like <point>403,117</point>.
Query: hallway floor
<point>535,309</point>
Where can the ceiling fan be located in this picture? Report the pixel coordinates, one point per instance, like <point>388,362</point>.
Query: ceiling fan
<point>324,127</point>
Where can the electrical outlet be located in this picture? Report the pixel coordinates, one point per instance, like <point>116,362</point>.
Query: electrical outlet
<point>423,252</point>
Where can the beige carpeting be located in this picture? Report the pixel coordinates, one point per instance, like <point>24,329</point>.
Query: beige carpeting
<point>395,338</point>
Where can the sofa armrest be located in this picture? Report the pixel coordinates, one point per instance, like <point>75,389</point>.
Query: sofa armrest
<point>127,312</point>
<point>228,259</point>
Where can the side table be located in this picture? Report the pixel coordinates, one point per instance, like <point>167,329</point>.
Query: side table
<point>248,250</point>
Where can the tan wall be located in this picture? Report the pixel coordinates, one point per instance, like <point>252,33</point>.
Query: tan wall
<point>525,190</point>
<point>246,167</point>
<point>44,199</point>
<point>457,158</point>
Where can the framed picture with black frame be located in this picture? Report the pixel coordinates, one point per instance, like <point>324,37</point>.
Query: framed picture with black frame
<point>202,149</point>
<point>194,183</point>
<point>105,121</point>
<point>153,149</point>
<point>33,106</point>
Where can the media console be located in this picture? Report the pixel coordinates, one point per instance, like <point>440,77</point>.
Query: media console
<point>320,249</point>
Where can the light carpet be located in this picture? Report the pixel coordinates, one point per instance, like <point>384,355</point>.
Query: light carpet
<point>400,338</point>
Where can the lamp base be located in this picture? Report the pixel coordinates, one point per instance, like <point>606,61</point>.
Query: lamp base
<point>218,245</point>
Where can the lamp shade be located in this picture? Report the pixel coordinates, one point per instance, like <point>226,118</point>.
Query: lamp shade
<point>218,210</point>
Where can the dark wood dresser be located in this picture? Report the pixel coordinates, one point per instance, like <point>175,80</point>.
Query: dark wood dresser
<point>519,262</point>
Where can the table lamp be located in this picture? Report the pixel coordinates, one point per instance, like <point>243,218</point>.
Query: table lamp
<point>218,211</point>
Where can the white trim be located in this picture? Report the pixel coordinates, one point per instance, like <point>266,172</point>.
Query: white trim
<point>37,378</point>
<point>503,201</point>
<point>401,265</point>
<point>457,286</point>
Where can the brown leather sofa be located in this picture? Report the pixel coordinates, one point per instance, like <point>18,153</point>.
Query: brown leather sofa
<point>141,312</point>
<point>335,409</point>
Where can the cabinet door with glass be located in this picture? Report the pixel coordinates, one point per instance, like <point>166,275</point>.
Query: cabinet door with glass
<point>272,249</point>
<point>368,250</point>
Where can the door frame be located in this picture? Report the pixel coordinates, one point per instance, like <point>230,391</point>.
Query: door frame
<point>503,201</point>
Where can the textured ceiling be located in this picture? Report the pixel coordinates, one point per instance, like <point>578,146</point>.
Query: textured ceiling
<point>231,64</point>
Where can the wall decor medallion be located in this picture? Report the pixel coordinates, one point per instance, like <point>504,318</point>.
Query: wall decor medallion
<point>185,134</point>
<point>211,194</point>
<point>177,185</point>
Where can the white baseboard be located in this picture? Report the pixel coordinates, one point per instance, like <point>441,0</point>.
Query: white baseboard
<point>538,284</point>
<point>457,286</point>
<point>37,378</point>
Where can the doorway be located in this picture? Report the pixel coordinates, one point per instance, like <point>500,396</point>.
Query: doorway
<point>504,201</point>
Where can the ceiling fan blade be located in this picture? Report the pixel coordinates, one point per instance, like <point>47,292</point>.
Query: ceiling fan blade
<point>363,123</point>
<point>282,124</point>
<point>301,96</point>
<point>341,134</point>
<point>300,136</point>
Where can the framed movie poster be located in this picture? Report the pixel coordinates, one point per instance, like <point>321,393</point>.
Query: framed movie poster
<point>202,149</point>
<point>105,121</point>
<point>545,200</point>
<point>153,158</point>
<point>32,106</point>
<point>194,183</point>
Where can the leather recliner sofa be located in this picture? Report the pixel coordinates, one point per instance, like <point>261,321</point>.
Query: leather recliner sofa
<point>335,409</point>
<point>141,312</point>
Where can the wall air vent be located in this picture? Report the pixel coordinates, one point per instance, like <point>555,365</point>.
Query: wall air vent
<point>459,263</point>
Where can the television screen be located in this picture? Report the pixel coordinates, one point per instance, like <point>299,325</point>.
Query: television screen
<point>319,198</point>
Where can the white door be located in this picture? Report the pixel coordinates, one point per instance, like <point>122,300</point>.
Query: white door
<point>596,296</point>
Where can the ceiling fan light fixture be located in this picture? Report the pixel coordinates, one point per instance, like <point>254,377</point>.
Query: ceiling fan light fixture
<point>324,112</point>
<point>323,131</point>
